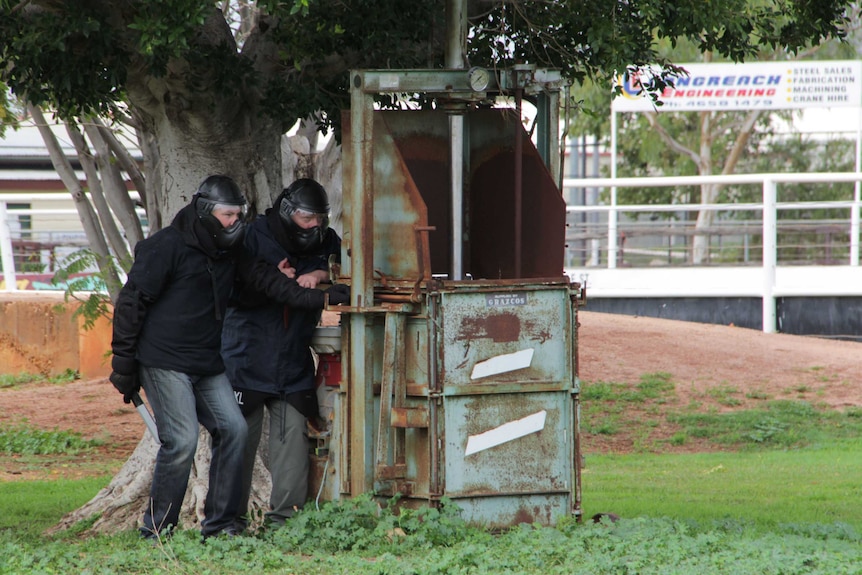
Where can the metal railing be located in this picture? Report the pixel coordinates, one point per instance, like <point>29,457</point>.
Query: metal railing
<point>609,236</point>
<point>34,241</point>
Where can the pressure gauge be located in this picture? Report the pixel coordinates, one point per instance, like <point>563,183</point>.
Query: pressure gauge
<point>479,78</point>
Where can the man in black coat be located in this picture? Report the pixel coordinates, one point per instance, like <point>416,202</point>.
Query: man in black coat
<point>266,344</point>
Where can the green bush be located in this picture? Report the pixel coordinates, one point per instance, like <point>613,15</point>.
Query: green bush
<point>26,440</point>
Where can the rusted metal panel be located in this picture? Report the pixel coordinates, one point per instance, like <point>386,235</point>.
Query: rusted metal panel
<point>409,417</point>
<point>502,444</point>
<point>504,319</point>
<point>421,139</point>
<point>492,206</point>
<point>506,511</point>
<point>394,245</point>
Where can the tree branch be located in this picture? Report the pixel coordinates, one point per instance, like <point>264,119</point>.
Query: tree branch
<point>91,172</point>
<point>88,217</point>
<point>652,118</point>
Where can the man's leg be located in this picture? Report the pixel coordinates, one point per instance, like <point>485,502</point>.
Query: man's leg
<point>288,460</point>
<point>173,401</point>
<point>219,413</point>
<point>254,420</point>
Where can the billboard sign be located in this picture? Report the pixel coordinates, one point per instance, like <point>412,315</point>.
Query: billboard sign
<point>752,86</point>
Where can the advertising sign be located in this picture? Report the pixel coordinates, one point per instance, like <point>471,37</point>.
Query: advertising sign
<point>752,86</point>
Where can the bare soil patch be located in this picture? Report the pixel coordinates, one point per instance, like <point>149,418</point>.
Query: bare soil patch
<point>700,358</point>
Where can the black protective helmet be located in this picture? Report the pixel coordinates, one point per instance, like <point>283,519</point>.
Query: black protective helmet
<point>214,192</point>
<point>305,197</point>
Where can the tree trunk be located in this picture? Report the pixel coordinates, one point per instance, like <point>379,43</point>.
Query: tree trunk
<point>120,506</point>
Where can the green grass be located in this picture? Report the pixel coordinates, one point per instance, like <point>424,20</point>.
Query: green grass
<point>777,497</point>
<point>30,507</point>
<point>765,489</point>
<point>15,380</point>
<point>781,423</point>
<point>611,409</point>
<point>677,517</point>
<point>28,440</point>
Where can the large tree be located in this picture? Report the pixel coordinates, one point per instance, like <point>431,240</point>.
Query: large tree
<point>213,86</point>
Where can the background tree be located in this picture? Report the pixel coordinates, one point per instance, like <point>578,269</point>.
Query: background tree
<point>213,86</point>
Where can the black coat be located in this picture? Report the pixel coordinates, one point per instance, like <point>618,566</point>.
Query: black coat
<point>265,343</point>
<point>170,312</point>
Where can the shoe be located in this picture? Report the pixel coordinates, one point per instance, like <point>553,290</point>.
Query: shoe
<point>152,538</point>
<point>226,533</point>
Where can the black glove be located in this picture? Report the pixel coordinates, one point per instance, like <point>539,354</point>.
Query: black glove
<point>127,384</point>
<point>338,294</point>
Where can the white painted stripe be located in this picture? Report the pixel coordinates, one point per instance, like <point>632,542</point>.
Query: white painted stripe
<point>503,363</point>
<point>506,432</point>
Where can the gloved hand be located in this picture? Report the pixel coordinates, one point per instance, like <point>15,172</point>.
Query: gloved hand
<point>126,384</point>
<point>338,294</point>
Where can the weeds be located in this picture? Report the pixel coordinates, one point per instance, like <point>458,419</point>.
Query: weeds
<point>612,409</point>
<point>630,545</point>
<point>15,380</point>
<point>26,440</point>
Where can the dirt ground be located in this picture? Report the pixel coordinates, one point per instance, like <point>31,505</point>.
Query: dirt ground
<point>612,348</point>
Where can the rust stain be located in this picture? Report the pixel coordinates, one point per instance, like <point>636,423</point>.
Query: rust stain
<point>523,516</point>
<point>540,333</point>
<point>499,328</point>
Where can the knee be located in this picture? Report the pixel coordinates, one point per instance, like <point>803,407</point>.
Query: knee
<point>234,431</point>
<point>182,444</point>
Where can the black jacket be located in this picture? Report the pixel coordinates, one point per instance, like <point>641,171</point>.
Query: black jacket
<point>170,313</point>
<point>265,343</point>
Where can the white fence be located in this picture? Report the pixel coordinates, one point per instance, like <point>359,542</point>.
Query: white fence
<point>36,232</point>
<point>767,281</point>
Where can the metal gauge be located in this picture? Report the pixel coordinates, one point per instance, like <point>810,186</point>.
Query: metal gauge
<point>479,78</point>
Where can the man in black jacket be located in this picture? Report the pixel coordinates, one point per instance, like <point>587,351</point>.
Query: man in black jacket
<point>266,344</point>
<point>167,337</point>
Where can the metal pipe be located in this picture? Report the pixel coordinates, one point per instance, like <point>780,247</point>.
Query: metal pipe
<point>359,245</point>
<point>613,215</point>
<point>770,258</point>
<point>456,39</point>
<point>519,168</point>
<point>456,147</point>
<point>456,33</point>
<point>434,439</point>
<point>399,298</point>
<point>6,256</point>
<point>857,198</point>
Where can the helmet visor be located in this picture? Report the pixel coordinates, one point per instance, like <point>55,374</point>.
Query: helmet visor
<point>306,219</point>
<point>229,210</point>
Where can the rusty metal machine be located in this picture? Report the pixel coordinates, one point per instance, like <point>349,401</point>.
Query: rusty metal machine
<point>458,352</point>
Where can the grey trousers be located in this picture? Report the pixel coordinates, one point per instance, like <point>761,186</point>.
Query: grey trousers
<point>288,459</point>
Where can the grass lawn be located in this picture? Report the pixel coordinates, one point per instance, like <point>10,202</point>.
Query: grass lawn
<point>764,488</point>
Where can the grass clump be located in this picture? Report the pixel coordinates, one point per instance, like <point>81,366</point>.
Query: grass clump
<point>604,405</point>
<point>16,380</point>
<point>364,525</point>
<point>645,411</point>
<point>23,439</point>
<point>652,386</point>
<point>778,424</point>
